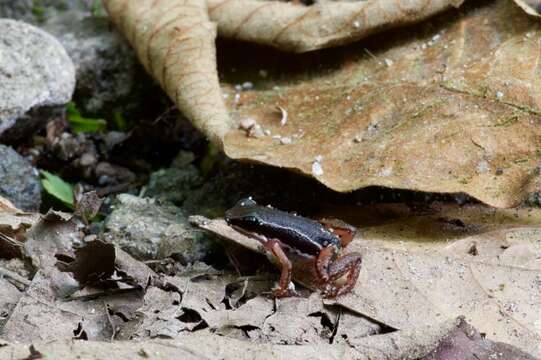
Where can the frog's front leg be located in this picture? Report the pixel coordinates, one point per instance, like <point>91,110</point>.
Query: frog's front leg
<point>285,267</point>
<point>329,269</point>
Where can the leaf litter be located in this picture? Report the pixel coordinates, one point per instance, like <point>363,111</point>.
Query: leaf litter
<point>401,293</point>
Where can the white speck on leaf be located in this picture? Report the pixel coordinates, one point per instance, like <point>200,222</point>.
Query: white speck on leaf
<point>247,123</point>
<point>283,119</point>
<point>256,131</point>
<point>285,140</point>
<point>317,169</point>
<point>483,167</point>
<point>388,171</point>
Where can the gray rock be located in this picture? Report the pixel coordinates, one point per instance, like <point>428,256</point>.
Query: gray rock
<point>108,74</point>
<point>36,73</point>
<point>36,12</point>
<point>174,184</point>
<point>147,230</point>
<point>19,180</point>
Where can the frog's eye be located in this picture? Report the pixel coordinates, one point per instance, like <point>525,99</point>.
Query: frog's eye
<point>246,202</point>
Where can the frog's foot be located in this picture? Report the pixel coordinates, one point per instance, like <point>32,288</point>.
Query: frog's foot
<point>331,271</point>
<point>287,292</point>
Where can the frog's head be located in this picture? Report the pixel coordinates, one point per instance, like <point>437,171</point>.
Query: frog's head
<point>244,214</point>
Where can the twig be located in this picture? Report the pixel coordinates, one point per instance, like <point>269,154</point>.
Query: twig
<point>14,276</point>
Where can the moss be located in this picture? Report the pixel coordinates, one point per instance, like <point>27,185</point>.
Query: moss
<point>39,13</point>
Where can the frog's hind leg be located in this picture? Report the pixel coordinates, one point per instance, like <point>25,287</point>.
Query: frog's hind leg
<point>329,270</point>
<point>285,267</point>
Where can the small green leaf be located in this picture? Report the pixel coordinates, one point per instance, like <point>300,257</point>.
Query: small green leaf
<point>96,8</point>
<point>39,13</point>
<point>80,124</point>
<point>57,188</point>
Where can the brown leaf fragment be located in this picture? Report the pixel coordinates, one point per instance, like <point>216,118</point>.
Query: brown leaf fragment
<point>6,205</point>
<point>251,314</point>
<point>175,43</point>
<point>49,237</point>
<point>94,262</point>
<point>350,326</point>
<point>465,343</point>
<point>295,27</point>
<point>13,225</point>
<point>138,272</point>
<point>408,289</point>
<point>41,316</point>
<point>532,7</point>
<point>100,262</point>
<point>159,315</point>
<point>299,321</point>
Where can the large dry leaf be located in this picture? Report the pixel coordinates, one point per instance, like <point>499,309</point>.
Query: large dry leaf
<point>452,107</point>
<point>490,274</point>
<point>293,26</point>
<point>175,42</point>
<point>532,7</point>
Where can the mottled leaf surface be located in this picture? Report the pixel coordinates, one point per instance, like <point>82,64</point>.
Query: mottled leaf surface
<point>448,106</point>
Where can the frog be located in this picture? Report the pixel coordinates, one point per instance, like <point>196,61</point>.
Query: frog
<point>313,246</point>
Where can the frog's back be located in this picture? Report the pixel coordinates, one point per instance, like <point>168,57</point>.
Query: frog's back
<point>299,233</point>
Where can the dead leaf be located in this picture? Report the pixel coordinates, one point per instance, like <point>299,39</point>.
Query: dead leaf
<point>136,271</point>
<point>159,315</point>
<point>398,345</point>
<point>39,315</point>
<point>94,262</point>
<point>13,225</point>
<point>296,27</point>
<point>446,108</point>
<point>7,206</point>
<point>100,262</point>
<point>532,7</point>
<point>175,43</point>
<point>465,343</point>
